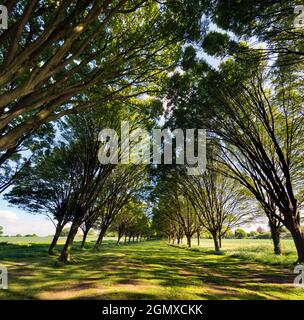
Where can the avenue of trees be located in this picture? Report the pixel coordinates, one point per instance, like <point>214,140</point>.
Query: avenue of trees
<point>69,69</point>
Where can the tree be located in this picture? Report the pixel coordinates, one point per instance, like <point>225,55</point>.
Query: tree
<point>271,22</point>
<point>260,131</point>
<point>255,121</point>
<point>229,235</point>
<point>165,226</point>
<point>138,227</point>
<point>181,213</point>
<point>54,54</point>
<point>118,190</point>
<point>283,76</point>
<point>64,232</point>
<point>252,234</point>
<point>89,174</point>
<point>260,230</point>
<point>125,217</point>
<point>218,202</point>
<point>240,233</point>
<point>91,177</point>
<point>87,226</point>
<point>47,188</point>
<point>16,161</point>
<point>174,207</point>
<point>210,201</point>
<point>1,230</point>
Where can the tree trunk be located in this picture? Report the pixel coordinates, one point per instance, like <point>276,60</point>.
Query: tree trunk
<point>99,240</point>
<point>198,238</point>
<point>55,238</point>
<point>66,252</point>
<point>216,243</point>
<point>84,238</point>
<point>298,239</point>
<point>188,241</point>
<point>220,242</point>
<point>276,237</point>
<point>118,239</point>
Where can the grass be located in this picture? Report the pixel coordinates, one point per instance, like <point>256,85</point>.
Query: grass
<point>149,270</point>
<point>254,250</point>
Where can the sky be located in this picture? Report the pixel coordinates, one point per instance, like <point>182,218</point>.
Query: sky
<point>15,221</point>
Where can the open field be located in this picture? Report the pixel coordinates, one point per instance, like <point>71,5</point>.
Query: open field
<point>149,270</point>
<point>258,250</point>
<point>46,240</point>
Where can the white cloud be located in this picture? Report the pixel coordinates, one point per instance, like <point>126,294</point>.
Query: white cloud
<point>9,216</point>
<point>14,223</point>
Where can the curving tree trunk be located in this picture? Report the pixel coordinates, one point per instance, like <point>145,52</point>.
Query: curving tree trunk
<point>65,255</point>
<point>118,239</point>
<point>84,238</point>
<point>298,238</point>
<point>53,244</point>
<point>99,240</point>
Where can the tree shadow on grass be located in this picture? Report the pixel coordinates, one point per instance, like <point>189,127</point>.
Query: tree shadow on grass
<point>155,270</point>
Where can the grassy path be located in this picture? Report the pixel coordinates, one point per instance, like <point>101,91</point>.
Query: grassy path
<point>148,270</point>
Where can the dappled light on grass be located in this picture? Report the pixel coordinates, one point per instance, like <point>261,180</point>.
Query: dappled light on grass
<point>147,270</point>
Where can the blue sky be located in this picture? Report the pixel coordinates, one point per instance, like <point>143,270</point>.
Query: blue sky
<point>14,221</point>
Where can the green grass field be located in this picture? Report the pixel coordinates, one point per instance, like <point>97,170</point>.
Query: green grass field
<point>247,269</point>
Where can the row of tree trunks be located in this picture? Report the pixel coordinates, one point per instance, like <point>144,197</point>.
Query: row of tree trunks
<point>217,241</point>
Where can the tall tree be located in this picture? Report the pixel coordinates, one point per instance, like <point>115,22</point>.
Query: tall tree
<point>271,22</point>
<point>126,217</point>
<point>260,130</point>
<point>17,160</point>
<point>124,182</point>
<point>218,201</point>
<point>47,188</point>
<point>54,54</point>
